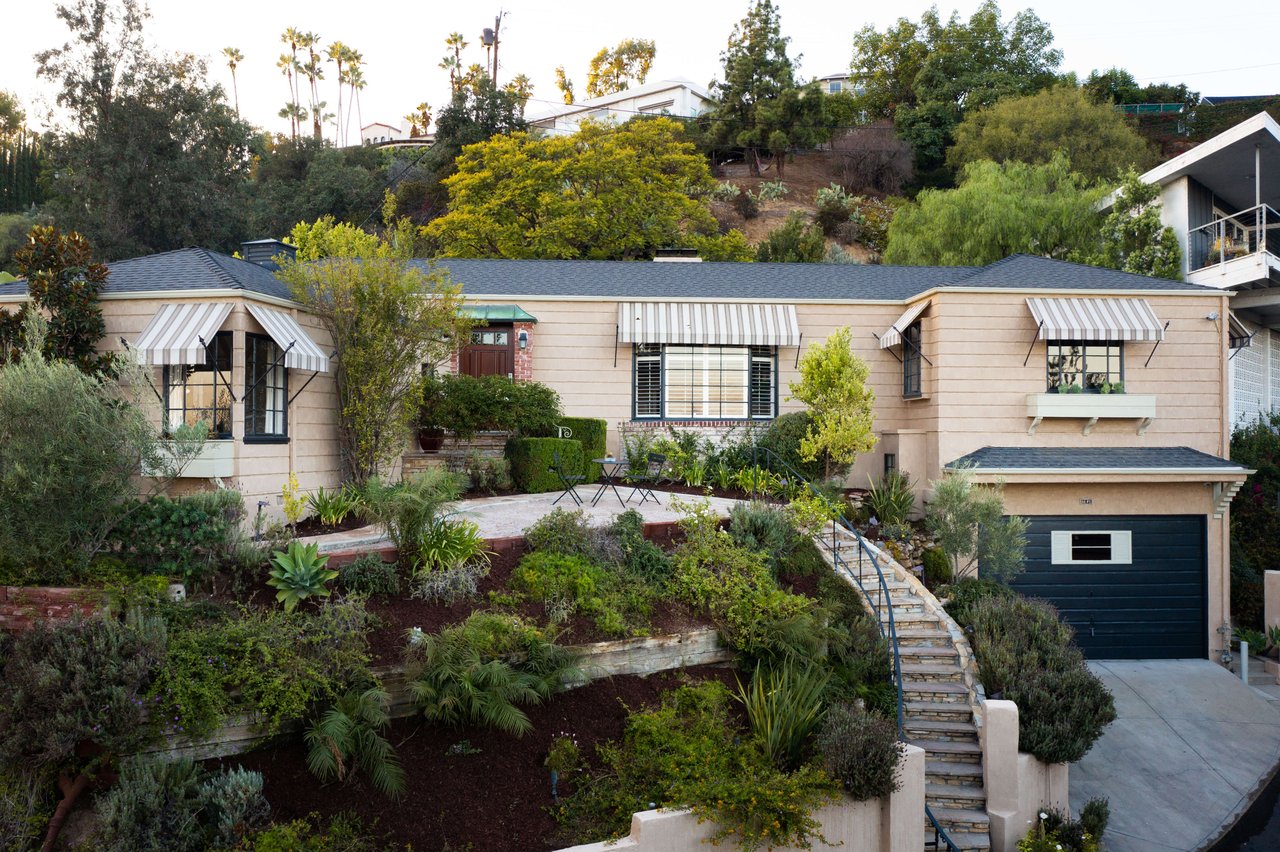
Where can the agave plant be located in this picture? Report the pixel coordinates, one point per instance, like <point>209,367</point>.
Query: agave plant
<point>347,737</point>
<point>299,573</point>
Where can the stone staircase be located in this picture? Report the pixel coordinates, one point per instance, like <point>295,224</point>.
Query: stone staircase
<point>938,693</point>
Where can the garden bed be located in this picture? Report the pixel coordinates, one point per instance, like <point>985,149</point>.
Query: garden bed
<point>469,787</point>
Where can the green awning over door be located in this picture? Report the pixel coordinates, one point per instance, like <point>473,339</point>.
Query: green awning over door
<point>498,313</point>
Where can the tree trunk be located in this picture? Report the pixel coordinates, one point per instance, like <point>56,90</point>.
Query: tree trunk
<point>71,790</point>
<point>753,161</point>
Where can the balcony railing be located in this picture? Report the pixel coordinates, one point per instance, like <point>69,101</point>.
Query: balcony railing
<point>1247,232</point>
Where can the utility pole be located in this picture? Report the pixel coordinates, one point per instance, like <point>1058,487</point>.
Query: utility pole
<point>490,39</point>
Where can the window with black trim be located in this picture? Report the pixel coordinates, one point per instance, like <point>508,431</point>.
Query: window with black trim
<point>705,382</point>
<point>911,360</point>
<point>266,391</point>
<point>201,393</point>
<point>1091,547</point>
<point>1083,365</point>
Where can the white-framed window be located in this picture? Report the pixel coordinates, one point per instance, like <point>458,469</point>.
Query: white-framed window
<point>1091,547</point>
<point>678,382</point>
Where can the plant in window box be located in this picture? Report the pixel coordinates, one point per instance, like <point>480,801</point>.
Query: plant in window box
<point>1070,389</point>
<point>1112,387</point>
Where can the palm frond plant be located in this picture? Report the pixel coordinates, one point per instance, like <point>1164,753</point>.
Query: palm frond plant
<point>891,499</point>
<point>409,509</point>
<point>483,670</point>
<point>348,737</point>
<point>300,573</point>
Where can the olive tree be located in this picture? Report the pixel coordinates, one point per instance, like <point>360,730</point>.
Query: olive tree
<point>387,319</point>
<point>970,526</point>
<point>833,383</point>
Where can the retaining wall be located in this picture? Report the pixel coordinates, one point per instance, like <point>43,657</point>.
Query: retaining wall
<point>1018,785</point>
<point>891,824</point>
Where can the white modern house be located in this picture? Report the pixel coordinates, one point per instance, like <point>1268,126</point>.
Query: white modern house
<point>677,97</point>
<point>378,132</point>
<point>1221,199</point>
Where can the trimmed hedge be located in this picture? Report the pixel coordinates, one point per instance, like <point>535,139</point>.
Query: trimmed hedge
<point>591,432</point>
<point>531,460</point>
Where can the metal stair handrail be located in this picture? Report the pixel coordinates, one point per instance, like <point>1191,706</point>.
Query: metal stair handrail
<point>885,624</point>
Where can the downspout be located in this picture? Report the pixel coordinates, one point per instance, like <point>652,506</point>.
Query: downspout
<point>1224,524</point>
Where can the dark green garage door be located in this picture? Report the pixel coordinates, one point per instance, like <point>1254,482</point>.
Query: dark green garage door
<point>1133,587</point>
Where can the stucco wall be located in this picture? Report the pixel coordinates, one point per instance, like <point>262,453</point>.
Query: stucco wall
<point>1018,785</point>
<point>894,824</point>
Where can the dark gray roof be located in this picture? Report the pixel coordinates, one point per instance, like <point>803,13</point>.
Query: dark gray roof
<point>1027,271</point>
<point>182,269</point>
<point>646,279</point>
<point>1091,458</point>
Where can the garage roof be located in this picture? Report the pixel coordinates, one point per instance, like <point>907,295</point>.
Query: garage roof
<point>1091,459</point>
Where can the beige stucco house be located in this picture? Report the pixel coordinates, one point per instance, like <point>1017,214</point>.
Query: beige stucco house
<point>1097,397</point>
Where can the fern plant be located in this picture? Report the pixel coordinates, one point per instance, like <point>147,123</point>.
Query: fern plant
<point>347,737</point>
<point>482,671</point>
<point>299,573</point>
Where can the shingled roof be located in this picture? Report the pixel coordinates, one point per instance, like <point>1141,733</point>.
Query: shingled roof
<point>1089,459</point>
<point>195,269</point>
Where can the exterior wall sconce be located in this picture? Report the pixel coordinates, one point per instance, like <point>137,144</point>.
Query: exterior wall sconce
<point>522,339</point>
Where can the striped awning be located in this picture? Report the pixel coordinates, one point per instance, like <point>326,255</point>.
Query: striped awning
<point>1238,334</point>
<point>177,334</point>
<point>301,352</point>
<point>893,336</point>
<point>1095,319</point>
<point>710,323</point>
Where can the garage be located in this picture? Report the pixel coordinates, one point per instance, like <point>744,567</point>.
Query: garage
<point>1132,586</point>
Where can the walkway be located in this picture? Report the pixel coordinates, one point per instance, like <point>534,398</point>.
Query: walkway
<point>500,517</point>
<point>1190,748</point>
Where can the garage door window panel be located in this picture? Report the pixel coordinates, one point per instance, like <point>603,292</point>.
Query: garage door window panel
<point>1092,547</point>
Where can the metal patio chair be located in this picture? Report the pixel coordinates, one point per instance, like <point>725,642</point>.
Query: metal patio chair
<point>643,483</point>
<point>568,480</point>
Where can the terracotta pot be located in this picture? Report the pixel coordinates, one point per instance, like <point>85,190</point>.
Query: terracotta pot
<point>431,440</point>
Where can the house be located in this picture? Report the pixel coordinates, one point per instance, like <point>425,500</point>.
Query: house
<point>1221,199</point>
<point>1097,396</point>
<point>1127,491</point>
<point>677,97</point>
<point>229,348</point>
<point>378,133</point>
<point>841,82</point>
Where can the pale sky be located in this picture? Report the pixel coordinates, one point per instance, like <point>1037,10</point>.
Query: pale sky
<point>1216,52</point>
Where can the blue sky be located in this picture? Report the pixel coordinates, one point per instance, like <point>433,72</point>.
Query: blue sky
<point>1228,52</point>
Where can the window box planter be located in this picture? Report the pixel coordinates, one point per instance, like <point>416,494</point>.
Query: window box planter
<point>1091,407</point>
<point>216,459</point>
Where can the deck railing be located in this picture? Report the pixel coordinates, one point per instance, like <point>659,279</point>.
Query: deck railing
<point>1256,229</point>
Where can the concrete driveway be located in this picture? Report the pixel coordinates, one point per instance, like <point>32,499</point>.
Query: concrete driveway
<point>1190,748</point>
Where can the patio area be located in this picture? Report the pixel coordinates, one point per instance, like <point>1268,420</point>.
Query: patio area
<point>509,515</point>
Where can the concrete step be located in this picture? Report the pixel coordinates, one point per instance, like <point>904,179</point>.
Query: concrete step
<point>949,711</point>
<point>935,672</point>
<point>952,772</point>
<point>934,729</point>
<point>919,635</point>
<point>962,840</point>
<point>972,820</point>
<point>961,752</point>
<point>934,691</point>
<point>955,796</point>
<point>923,653</point>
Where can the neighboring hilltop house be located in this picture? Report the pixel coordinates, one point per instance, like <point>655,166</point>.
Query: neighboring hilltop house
<point>382,135</point>
<point>1096,395</point>
<point>678,98</point>
<point>1221,199</point>
<point>842,82</point>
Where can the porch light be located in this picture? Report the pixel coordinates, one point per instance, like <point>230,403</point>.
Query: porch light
<point>522,338</point>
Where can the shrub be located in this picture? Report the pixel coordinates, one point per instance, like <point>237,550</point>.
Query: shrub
<point>300,573</point>
<point>333,507</point>
<point>593,434</point>
<point>1056,831</point>
<point>25,807</point>
<point>784,707</point>
<point>452,544</point>
<point>480,671</point>
<point>161,805</point>
<point>487,475</point>
<point>466,405</point>
<point>566,584</point>
<point>343,832</point>
<point>891,499</point>
<point>833,207</point>
<point>1095,815</point>
<point>964,593</point>
<point>756,526</point>
<point>408,509</point>
<point>448,585</point>
<point>969,524</point>
<point>937,568</point>
<point>796,241</point>
<point>861,751</point>
<point>532,459</point>
<point>186,538</point>
<point>561,531</point>
<point>273,663</point>
<point>369,575</point>
<point>642,559</point>
<point>348,737</point>
<point>1024,653</point>
<point>687,753</point>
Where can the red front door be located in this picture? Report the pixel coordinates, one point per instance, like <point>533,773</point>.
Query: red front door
<point>490,353</point>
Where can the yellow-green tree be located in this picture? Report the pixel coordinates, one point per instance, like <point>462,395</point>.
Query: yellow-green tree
<point>387,318</point>
<point>607,193</point>
<point>833,384</point>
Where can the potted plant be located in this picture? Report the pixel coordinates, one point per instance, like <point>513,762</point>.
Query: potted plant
<point>430,432</point>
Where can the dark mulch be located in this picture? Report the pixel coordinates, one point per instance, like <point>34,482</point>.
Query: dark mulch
<point>495,799</point>
<point>312,525</point>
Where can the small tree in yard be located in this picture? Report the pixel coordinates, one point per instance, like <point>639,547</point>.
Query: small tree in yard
<point>969,524</point>
<point>387,320</point>
<point>833,383</point>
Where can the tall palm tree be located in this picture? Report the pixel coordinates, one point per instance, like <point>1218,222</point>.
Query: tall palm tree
<point>292,36</point>
<point>314,72</point>
<point>355,77</point>
<point>288,66</point>
<point>453,64</point>
<point>338,53</point>
<point>234,58</point>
